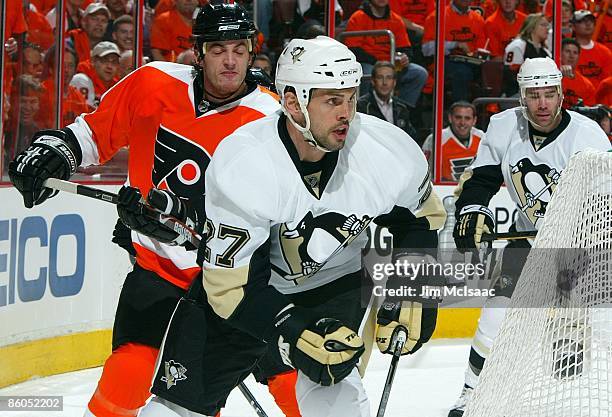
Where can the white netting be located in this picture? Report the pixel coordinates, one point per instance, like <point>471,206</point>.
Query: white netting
<point>553,355</point>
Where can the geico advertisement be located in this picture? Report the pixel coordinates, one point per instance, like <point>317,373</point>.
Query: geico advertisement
<point>59,270</point>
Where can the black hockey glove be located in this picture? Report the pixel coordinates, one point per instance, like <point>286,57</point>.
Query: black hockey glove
<point>472,221</point>
<point>122,236</point>
<point>324,349</point>
<point>52,154</point>
<point>144,217</point>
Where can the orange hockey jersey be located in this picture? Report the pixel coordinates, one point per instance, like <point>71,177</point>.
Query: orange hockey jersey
<point>455,156</point>
<point>152,111</point>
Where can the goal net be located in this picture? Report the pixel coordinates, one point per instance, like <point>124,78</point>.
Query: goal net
<point>553,355</point>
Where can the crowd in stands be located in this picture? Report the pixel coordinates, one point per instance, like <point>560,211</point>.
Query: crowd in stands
<point>485,42</point>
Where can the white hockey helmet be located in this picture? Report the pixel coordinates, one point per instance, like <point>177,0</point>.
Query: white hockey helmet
<point>306,64</point>
<point>539,72</point>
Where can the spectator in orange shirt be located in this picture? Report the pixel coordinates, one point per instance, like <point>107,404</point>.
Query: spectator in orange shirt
<point>94,22</point>
<point>15,27</point>
<point>123,32</point>
<point>73,102</point>
<point>171,31</point>
<point>376,15</point>
<point>502,27</point>
<point>603,94</point>
<point>575,85</point>
<point>413,13</point>
<point>40,31</point>
<point>72,12</point>
<point>102,72</point>
<point>464,34</point>
<point>595,58</point>
<point>605,33</point>
<point>32,63</point>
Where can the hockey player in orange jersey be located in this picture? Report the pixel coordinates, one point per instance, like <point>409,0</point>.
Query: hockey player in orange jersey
<point>172,117</point>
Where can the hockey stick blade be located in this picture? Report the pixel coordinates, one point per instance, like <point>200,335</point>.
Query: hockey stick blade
<point>507,236</point>
<point>73,188</point>
<point>398,340</point>
<point>252,400</point>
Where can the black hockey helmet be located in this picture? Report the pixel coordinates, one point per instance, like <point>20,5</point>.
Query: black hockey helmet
<point>222,22</point>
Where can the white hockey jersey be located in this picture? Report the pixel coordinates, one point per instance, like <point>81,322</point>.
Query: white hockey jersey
<point>270,222</point>
<point>529,165</point>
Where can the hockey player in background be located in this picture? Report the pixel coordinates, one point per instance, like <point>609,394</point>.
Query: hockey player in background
<point>527,148</point>
<point>172,117</point>
<point>289,198</point>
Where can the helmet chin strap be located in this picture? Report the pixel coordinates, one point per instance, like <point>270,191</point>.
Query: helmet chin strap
<point>305,131</point>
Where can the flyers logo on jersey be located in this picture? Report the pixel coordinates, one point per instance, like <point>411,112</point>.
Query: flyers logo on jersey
<point>534,185</point>
<point>317,239</point>
<point>179,164</point>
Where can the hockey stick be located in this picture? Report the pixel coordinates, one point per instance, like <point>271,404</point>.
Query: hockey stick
<point>73,188</point>
<point>249,396</point>
<point>398,340</point>
<point>490,237</point>
<point>176,225</point>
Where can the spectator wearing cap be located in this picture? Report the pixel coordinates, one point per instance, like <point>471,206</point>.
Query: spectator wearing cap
<point>382,103</point>
<point>377,15</point>
<point>595,58</point>
<point>503,26</point>
<point>171,31</point>
<point>575,85</point>
<point>126,63</point>
<point>94,23</point>
<point>123,32</point>
<point>101,72</point>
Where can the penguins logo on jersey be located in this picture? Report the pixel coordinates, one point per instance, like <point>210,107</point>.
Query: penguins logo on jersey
<point>179,164</point>
<point>173,372</point>
<point>315,240</point>
<point>534,185</point>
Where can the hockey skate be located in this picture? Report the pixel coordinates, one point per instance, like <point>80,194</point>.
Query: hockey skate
<point>459,407</point>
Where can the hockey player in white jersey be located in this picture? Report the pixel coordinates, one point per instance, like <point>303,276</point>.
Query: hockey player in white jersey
<point>288,201</point>
<point>526,148</point>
